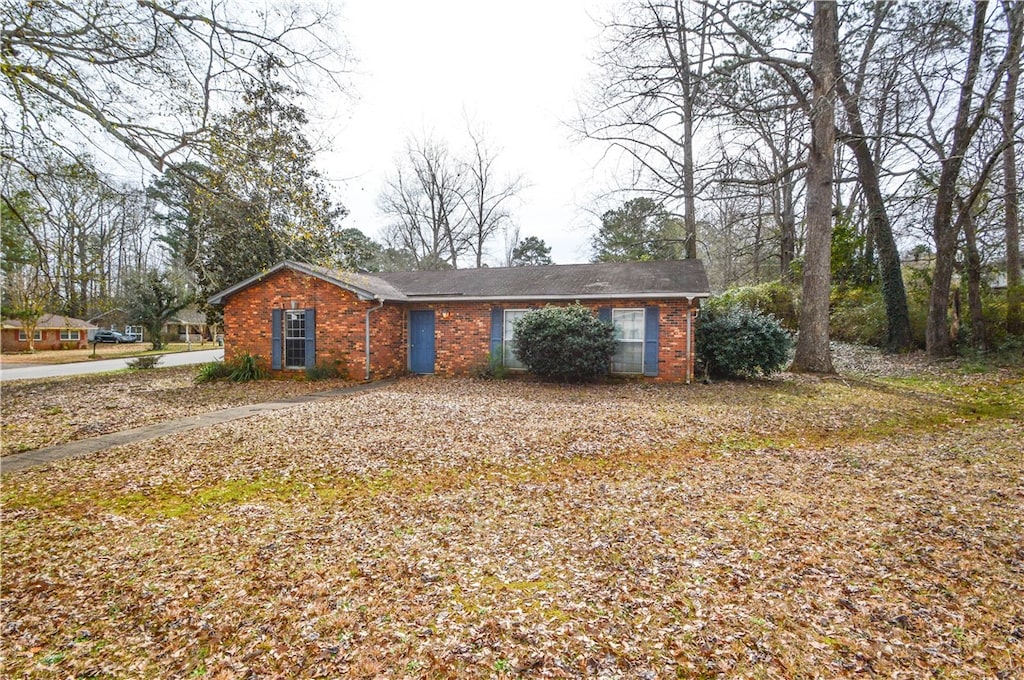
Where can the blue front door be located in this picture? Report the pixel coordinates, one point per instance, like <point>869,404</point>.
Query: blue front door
<point>421,341</point>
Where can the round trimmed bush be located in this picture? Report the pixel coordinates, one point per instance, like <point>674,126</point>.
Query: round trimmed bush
<point>736,341</point>
<point>564,343</point>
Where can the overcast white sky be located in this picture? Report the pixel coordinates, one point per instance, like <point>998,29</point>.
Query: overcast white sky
<point>516,69</point>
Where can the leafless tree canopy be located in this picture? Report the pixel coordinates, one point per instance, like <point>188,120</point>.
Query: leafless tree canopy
<point>148,75</point>
<point>927,123</point>
<point>444,208</point>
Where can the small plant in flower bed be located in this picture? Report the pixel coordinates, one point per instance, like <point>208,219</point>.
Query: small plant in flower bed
<point>243,368</point>
<point>213,371</point>
<point>325,371</point>
<point>246,367</point>
<point>493,368</point>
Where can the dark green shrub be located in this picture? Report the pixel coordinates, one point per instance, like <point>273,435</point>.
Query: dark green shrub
<point>325,371</point>
<point>144,362</point>
<point>564,343</point>
<point>211,372</point>
<point>246,367</point>
<point>736,341</point>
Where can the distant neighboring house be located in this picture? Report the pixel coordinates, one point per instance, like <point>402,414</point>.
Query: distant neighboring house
<point>448,322</point>
<point>52,332</point>
<point>115,319</point>
<point>119,320</point>
<point>994,273</point>
<point>997,274</point>
<point>188,324</point>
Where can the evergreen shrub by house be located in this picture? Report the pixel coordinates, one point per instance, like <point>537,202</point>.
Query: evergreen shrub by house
<point>735,341</point>
<point>564,343</point>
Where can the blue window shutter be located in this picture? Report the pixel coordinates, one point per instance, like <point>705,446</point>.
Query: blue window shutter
<point>651,341</point>
<point>604,314</point>
<point>497,324</point>
<point>310,338</point>
<point>276,324</point>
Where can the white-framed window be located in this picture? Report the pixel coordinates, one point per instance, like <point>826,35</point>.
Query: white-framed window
<point>629,339</point>
<point>508,335</point>
<point>67,335</point>
<point>295,338</point>
<point>37,336</point>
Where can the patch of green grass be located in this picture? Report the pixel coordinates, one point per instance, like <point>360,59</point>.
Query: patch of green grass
<point>172,502</point>
<point>744,442</point>
<point>52,659</point>
<point>494,583</point>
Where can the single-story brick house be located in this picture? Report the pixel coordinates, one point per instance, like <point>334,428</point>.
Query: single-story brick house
<point>448,322</point>
<point>52,332</point>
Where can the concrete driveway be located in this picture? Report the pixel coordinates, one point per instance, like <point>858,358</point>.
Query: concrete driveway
<point>83,367</point>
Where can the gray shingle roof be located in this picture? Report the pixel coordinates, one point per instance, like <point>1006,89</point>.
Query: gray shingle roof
<point>51,321</point>
<point>612,280</point>
<point>675,278</point>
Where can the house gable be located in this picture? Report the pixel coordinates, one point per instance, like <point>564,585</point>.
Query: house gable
<point>363,286</point>
<point>255,313</point>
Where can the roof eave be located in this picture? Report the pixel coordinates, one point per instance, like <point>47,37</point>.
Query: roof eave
<point>221,297</point>
<point>568,296</point>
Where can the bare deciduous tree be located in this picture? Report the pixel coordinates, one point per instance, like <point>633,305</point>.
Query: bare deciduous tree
<point>1010,127</point>
<point>866,154</point>
<point>145,74</point>
<point>649,103</point>
<point>423,199</point>
<point>486,197</point>
<point>443,207</point>
<point>972,106</point>
<point>812,347</point>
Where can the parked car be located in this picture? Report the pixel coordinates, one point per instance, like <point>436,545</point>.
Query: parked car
<point>113,336</point>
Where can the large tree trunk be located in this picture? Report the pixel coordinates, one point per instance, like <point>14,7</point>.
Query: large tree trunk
<point>894,293</point>
<point>685,77</point>
<point>972,269</point>
<point>812,347</point>
<point>944,230</point>
<point>1014,291</point>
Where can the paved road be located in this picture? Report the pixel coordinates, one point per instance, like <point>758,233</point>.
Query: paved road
<point>201,356</point>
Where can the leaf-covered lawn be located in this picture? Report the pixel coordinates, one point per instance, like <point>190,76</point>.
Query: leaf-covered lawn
<point>455,528</point>
<point>39,413</point>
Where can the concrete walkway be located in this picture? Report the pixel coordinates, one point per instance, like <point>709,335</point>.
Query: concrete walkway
<point>83,447</point>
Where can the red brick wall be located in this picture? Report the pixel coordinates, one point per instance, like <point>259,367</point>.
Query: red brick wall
<point>462,329</point>
<point>340,324</point>
<point>51,340</point>
<point>463,338</point>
